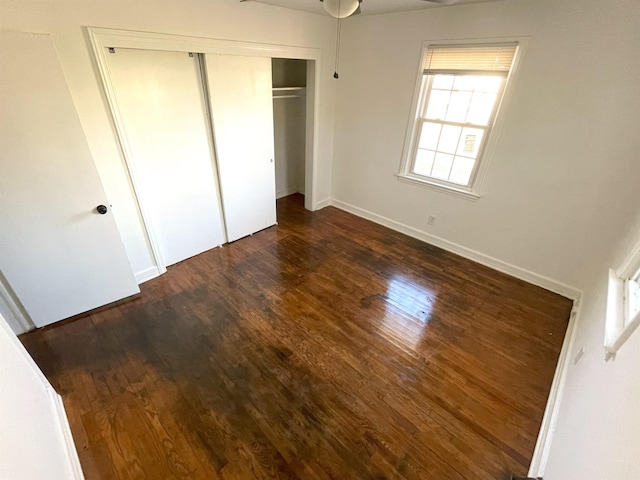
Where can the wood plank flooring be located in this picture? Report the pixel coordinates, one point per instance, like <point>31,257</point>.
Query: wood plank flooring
<point>327,347</point>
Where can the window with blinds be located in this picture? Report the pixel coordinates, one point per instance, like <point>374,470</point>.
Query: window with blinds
<point>462,88</point>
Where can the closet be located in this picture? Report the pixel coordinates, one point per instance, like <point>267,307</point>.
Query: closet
<point>242,114</point>
<point>197,133</point>
<point>163,108</point>
<point>289,77</point>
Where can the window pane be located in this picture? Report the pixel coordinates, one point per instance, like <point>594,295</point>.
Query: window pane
<point>458,106</point>
<point>424,162</point>
<point>487,84</point>
<point>449,139</point>
<point>442,166</point>
<point>481,108</point>
<point>461,171</point>
<point>470,142</point>
<point>437,107</point>
<point>429,135</point>
<point>443,82</point>
<point>464,82</point>
<point>633,295</point>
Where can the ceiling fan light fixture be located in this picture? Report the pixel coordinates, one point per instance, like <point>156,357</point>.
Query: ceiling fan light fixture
<point>340,8</point>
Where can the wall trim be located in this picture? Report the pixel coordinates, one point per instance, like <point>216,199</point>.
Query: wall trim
<point>19,319</point>
<point>147,274</point>
<point>552,410</point>
<point>69,448</point>
<point>324,203</point>
<point>285,192</point>
<point>481,258</point>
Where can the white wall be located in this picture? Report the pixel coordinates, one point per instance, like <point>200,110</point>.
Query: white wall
<point>220,19</point>
<point>598,430</point>
<point>561,194</point>
<point>564,166</point>
<point>35,441</point>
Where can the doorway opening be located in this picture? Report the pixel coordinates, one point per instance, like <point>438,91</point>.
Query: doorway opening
<point>106,41</point>
<point>289,122</point>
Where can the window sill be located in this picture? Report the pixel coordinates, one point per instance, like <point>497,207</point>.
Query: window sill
<point>616,332</point>
<point>451,190</point>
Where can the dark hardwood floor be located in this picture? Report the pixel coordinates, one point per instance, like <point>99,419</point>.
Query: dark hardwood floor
<point>327,347</point>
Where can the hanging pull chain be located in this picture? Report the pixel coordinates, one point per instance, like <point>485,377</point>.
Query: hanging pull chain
<point>335,73</point>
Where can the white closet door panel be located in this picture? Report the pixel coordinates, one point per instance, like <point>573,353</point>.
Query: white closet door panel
<point>242,111</point>
<point>57,253</point>
<point>160,100</point>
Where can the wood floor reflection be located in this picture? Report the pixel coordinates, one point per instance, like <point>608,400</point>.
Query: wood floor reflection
<point>327,347</point>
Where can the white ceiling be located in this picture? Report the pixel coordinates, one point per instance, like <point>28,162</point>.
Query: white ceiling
<point>369,7</point>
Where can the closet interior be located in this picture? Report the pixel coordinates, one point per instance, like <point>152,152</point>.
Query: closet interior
<point>289,121</point>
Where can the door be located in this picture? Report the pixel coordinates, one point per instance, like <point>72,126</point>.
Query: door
<point>57,253</point>
<point>160,100</point>
<point>242,113</point>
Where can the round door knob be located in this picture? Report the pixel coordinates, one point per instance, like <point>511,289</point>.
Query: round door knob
<point>101,209</point>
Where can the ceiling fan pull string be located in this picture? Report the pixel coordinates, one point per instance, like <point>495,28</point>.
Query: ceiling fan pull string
<point>335,73</point>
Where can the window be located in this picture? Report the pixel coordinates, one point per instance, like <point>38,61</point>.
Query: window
<point>623,303</point>
<point>460,92</point>
<point>632,297</point>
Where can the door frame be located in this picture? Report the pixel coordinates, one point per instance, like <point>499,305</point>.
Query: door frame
<point>15,314</point>
<point>103,38</point>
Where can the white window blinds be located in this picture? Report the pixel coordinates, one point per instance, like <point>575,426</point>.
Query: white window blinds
<point>495,59</point>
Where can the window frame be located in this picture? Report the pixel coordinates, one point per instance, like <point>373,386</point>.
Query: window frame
<point>621,322</point>
<point>420,97</point>
<point>632,288</point>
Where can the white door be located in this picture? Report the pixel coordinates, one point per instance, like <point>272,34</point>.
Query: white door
<point>242,112</point>
<point>57,253</point>
<point>160,101</point>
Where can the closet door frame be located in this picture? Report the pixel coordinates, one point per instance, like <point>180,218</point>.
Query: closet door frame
<point>101,39</point>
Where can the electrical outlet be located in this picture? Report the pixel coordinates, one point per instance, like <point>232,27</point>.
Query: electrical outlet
<point>431,220</point>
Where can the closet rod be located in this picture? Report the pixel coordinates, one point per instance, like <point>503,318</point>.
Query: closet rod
<point>288,96</point>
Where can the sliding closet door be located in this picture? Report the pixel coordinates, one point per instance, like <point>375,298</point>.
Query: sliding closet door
<point>242,112</point>
<point>160,100</point>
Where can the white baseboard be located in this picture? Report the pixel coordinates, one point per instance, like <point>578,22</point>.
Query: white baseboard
<point>486,260</point>
<point>147,274</point>
<point>323,203</point>
<point>73,462</point>
<point>290,190</point>
<point>550,419</point>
